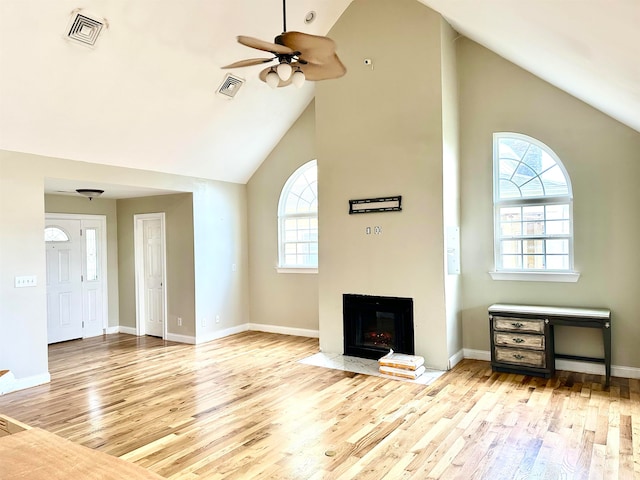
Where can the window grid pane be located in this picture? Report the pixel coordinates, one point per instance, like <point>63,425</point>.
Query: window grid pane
<point>534,245</point>
<point>529,238</point>
<point>298,217</point>
<point>525,170</point>
<point>55,234</point>
<point>536,234</point>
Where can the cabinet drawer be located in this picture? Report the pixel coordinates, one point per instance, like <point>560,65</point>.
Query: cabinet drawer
<point>517,356</point>
<point>510,324</point>
<point>517,339</point>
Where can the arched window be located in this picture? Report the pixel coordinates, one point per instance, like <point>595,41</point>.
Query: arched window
<point>532,206</point>
<point>55,234</point>
<point>298,219</point>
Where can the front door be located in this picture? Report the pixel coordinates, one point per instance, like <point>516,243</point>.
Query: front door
<point>64,280</point>
<point>76,249</point>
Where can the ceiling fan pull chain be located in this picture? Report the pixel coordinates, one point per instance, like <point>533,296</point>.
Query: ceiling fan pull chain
<point>284,16</point>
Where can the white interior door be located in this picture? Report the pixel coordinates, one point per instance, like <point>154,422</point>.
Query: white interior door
<point>93,308</point>
<point>150,274</point>
<point>64,282</point>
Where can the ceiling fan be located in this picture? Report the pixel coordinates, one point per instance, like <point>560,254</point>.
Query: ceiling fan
<point>300,57</point>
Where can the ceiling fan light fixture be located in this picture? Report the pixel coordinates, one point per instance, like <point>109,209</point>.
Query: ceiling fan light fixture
<point>272,79</point>
<point>298,78</point>
<point>316,53</point>
<point>284,71</point>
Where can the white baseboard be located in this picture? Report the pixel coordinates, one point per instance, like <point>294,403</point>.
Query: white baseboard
<point>110,330</point>
<point>297,332</point>
<point>208,336</point>
<point>6,382</point>
<point>597,368</point>
<point>27,382</point>
<point>625,372</point>
<point>455,359</point>
<point>569,365</point>
<point>174,337</point>
<point>477,354</point>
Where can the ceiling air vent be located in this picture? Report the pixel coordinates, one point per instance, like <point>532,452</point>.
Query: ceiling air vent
<point>230,86</point>
<point>85,29</point>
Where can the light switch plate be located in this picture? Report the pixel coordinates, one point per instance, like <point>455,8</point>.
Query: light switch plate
<point>26,281</point>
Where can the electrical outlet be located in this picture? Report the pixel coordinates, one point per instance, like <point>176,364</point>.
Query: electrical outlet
<point>217,318</point>
<point>179,321</point>
<point>204,322</point>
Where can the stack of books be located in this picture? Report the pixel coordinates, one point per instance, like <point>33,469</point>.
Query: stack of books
<point>402,365</point>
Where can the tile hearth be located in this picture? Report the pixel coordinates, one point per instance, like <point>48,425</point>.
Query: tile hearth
<point>365,366</point>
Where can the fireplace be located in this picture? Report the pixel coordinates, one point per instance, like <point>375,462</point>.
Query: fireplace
<point>374,325</point>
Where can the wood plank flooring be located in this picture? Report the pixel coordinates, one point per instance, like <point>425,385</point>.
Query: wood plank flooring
<point>242,407</point>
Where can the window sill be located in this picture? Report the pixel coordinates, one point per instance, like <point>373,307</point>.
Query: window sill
<point>296,270</point>
<point>565,277</point>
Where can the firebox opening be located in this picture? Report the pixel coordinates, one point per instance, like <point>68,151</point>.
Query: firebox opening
<point>374,325</point>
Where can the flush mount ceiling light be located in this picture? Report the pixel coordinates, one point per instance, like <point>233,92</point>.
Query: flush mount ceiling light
<point>300,56</point>
<point>90,193</point>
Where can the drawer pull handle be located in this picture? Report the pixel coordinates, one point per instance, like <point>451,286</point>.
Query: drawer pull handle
<point>517,324</point>
<point>517,356</point>
<point>518,340</point>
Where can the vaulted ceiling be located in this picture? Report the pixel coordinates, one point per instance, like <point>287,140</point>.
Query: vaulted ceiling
<point>146,95</point>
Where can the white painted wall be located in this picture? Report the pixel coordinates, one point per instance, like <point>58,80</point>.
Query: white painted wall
<point>379,133</point>
<point>220,241</point>
<point>23,311</point>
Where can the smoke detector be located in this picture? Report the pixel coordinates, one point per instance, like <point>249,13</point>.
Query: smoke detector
<point>85,28</point>
<point>230,86</point>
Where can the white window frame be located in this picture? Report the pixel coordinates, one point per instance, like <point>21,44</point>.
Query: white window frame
<point>521,274</point>
<point>283,267</point>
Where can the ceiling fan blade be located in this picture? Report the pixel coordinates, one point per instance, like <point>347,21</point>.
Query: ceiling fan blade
<point>249,62</point>
<point>265,46</point>
<point>312,48</point>
<point>325,71</point>
<point>263,77</point>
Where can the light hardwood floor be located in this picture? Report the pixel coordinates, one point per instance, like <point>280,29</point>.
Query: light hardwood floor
<point>242,407</point>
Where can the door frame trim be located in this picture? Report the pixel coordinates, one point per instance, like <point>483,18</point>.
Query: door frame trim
<point>103,257</point>
<point>139,269</point>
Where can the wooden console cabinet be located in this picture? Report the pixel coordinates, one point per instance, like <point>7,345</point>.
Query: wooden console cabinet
<point>522,337</point>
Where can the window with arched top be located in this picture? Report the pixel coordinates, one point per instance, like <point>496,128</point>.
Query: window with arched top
<point>298,219</point>
<point>55,234</point>
<point>533,207</point>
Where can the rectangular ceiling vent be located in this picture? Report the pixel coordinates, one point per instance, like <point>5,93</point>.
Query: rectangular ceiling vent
<point>84,29</point>
<point>230,86</point>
